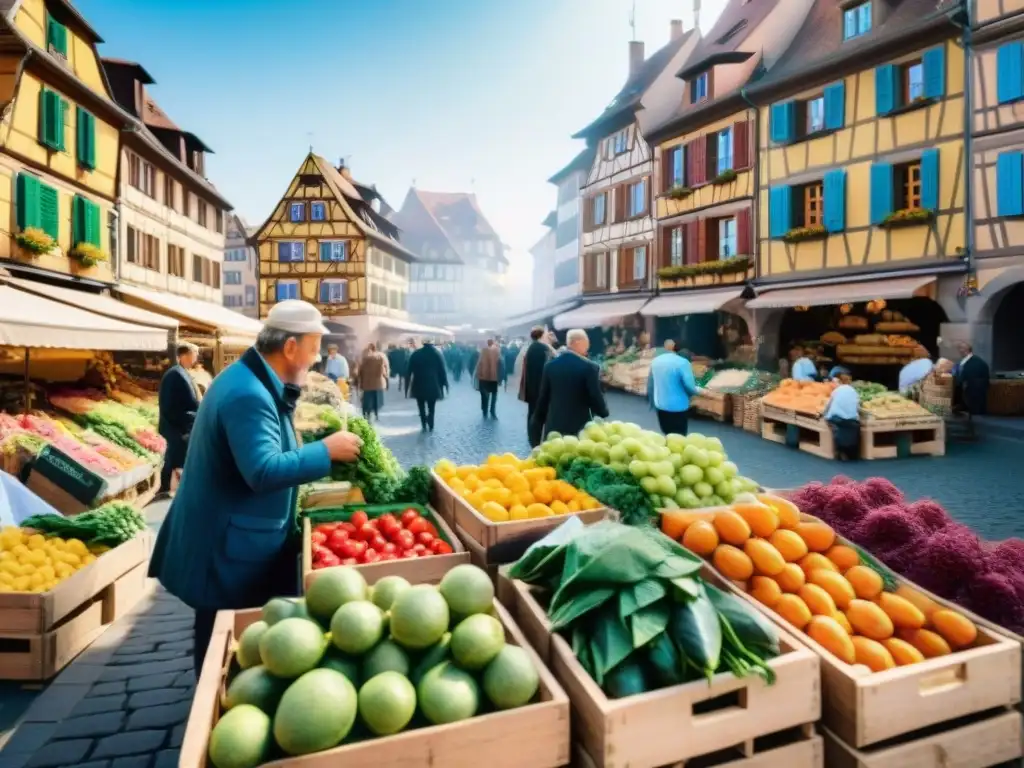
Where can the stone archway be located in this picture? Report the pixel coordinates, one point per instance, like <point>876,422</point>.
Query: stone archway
<point>988,331</point>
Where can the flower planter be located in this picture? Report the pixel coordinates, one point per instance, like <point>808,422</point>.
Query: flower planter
<point>726,177</point>
<point>803,234</point>
<point>908,218</point>
<point>679,193</point>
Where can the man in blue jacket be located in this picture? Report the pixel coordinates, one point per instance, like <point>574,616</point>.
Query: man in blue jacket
<point>224,542</point>
<point>672,385</point>
<point>179,402</point>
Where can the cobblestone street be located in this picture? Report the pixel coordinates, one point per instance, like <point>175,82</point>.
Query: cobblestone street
<point>123,703</point>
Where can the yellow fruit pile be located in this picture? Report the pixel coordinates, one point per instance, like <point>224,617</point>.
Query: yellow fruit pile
<point>820,586</point>
<point>30,562</point>
<point>509,488</point>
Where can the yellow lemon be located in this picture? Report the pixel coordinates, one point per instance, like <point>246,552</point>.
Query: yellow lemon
<point>47,571</point>
<point>525,498</point>
<point>494,512</point>
<point>542,492</point>
<point>445,468</point>
<point>63,570</point>
<point>36,541</point>
<point>559,507</point>
<point>538,510</point>
<point>473,482</point>
<point>574,505</point>
<point>90,558</point>
<point>76,546</point>
<point>465,471</point>
<point>21,583</point>
<point>20,550</point>
<point>517,483</point>
<point>517,512</point>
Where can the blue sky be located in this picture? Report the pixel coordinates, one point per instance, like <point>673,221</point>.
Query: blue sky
<point>459,95</point>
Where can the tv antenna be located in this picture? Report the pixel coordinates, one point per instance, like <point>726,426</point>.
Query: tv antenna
<point>632,20</point>
<point>309,138</point>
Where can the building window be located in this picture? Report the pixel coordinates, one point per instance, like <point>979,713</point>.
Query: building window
<point>857,21</point>
<point>215,274</point>
<point>142,249</point>
<point>620,142</point>
<point>219,216</point>
<point>202,213</point>
<point>908,186</point>
<point>134,170</point>
<point>197,268</point>
<point>638,198</point>
<point>250,295</point>
<point>726,238</point>
<point>176,261</point>
<point>37,205</point>
<point>56,37</point>
<point>297,212</point>
<point>186,203</point>
<point>675,247</point>
<point>232,277</point>
<point>287,289</point>
<point>291,251</point>
<point>676,176</point>
<point>131,248</point>
<point>170,196</point>
<point>912,82</point>
<point>699,88</point>
<point>600,206</point>
<point>813,205</point>
<point>333,250</point>
<point>815,115</point>
<point>725,150</point>
<point>318,211</point>
<point>639,263</point>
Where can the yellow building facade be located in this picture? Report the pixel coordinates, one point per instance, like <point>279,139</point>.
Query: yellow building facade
<point>59,146</point>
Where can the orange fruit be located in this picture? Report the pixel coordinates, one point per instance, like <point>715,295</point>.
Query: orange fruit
<point>786,510</point>
<point>902,652</point>
<point>869,620</point>
<point>836,585</point>
<point>765,557</point>
<point>955,629</point>
<point>872,654</point>
<point>843,621</point>
<point>904,614</point>
<point>817,536</point>
<point>791,578</point>
<point>760,517</point>
<point>701,538</point>
<point>830,635</point>
<point>732,563</point>
<point>789,544</point>
<point>865,582</point>
<point>815,561</point>
<point>794,610</point>
<point>817,599</point>
<point>930,644</point>
<point>765,590</point>
<point>843,556</point>
<point>732,529</point>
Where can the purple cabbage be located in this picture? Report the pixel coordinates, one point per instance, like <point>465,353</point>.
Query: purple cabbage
<point>879,492</point>
<point>888,528</point>
<point>997,597</point>
<point>811,498</point>
<point>842,480</point>
<point>948,560</point>
<point>930,515</point>
<point>844,510</point>
<point>1007,557</point>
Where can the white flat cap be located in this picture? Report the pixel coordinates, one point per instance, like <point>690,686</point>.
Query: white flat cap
<point>295,316</point>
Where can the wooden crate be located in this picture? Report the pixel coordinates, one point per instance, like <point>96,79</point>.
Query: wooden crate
<point>813,434</point>
<point>534,736</point>
<point>442,498</point>
<point>38,656</point>
<point>864,708</point>
<point>327,495</point>
<point>22,612</point>
<point>660,727</point>
<point>420,570</point>
<point>797,747</point>
<point>991,738</point>
<point>506,542</point>
<point>714,405</point>
<point>881,438</point>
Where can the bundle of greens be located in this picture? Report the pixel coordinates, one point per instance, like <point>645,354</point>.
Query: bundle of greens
<point>412,488</point>
<point>111,524</point>
<point>633,606</point>
<point>618,490</point>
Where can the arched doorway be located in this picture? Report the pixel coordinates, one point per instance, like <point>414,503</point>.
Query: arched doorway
<point>1007,322</point>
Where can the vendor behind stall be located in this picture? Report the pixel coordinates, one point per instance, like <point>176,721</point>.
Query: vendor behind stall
<point>843,416</point>
<point>916,370</point>
<point>803,368</point>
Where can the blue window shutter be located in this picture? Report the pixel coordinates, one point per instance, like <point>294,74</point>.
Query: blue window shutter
<point>881,192</point>
<point>325,251</point>
<point>782,121</point>
<point>930,179</point>
<point>1010,72</point>
<point>885,89</point>
<point>835,106</point>
<point>1010,184</point>
<point>934,63</point>
<point>325,292</point>
<point>834,190</point>
<point>780,211</point>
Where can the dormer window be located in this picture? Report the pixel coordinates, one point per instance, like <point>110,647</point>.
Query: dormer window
<point>699,88</point>
<point>56,37</point>
<point>857,20</point>
<point>618,143</point>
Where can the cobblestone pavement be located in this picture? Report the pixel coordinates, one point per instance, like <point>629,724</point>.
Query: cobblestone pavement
<point>124,702</point>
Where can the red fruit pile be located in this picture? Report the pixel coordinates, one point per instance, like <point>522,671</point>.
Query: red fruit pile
<point>388,537</point>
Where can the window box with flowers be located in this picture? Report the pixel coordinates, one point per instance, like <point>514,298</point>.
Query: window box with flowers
<point>35,241</point>
<point>908,217</point>
<point>89,255</point>
<point>679,193</point>
<point>800,234</point>
<point>732,270</point>
<point>725,177</point>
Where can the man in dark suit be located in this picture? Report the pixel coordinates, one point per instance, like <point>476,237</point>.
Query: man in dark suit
<point>179,402</point>
<point>427,378</point>
<point>570,389</point>
<point>536,357</point>
<point>972,379</point>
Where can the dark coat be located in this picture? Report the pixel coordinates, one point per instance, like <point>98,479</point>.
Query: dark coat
<point>972,379</point>
<point>536,357</point>
<point>570,394</point>
<point>427,376</point>
<point>223,543</point>
<point>179,402</point>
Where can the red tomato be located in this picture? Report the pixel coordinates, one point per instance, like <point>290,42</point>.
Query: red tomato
<point>409,516</point>
<point>420,550</point>
<point>388,556</point>
<point>337,540</point>
<point>419,525</point>
<point>350,561</point>
<point>378,542</point>
<point>388,549</point>
<point>318,536</point>
<point>390,528</point>
<point>348,527</point>
<point>440,547</point>
<point>426,539</point>
<point>374,524</point>
<point>431,528</point>
<point>329,560</point>
<point>370,556</point>
<point>353,548</point>
<point>405,540</point>
<point>366,533</point>
<point>359,519</point>
<point>386,519</point>
<point>408,554</point>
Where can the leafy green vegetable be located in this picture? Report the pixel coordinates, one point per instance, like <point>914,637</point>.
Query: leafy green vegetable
<point>666,663</point>
<point>111,524</point>
<point>619,491</point>
<point>610,644</point>
<point>696,630</point>
<point>627,679</point>
<point>649,622</point>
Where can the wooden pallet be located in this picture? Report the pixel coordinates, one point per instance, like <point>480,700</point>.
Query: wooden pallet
<point>892,438</point>
<point>29,656</point>
<point>990,738</point>
<point>682,722</point>
<point>798,747</point>
<point>810,434</point>
<point>714,405</point>
<point>532,736</point>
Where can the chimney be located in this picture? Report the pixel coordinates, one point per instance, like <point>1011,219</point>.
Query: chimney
<point>343,170</point>
<point>696,15</point>
<point>636,56</point>
<point>675,29</point>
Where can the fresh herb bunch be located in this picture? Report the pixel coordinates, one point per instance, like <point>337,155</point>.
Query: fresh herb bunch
<point>413,488</point>
<point>111,524</point>
<point>636,611</point>
<point>622,492</point>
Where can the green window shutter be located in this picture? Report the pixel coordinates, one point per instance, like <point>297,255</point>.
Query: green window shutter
<point>56,36</point>
<point>77,221</point>
<point>85,135</point>
<point>49,211</point>
<point>92,224</point>
<point>28,202</point>
<point>61,111</point>
<point>51,119</point>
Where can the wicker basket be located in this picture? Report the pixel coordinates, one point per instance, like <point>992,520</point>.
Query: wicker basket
<point>752,415</point>
<point>739,407</point>
<point>1006,397</point>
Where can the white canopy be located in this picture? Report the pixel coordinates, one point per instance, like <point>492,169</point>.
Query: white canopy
<point>598,313</point>
<point>99,303</point>
<point>536,315</point>
<point>409,327</point>
<point>842,293</point>
<point>690,302</point>
<point>28,320</point>
<point>203,312</point>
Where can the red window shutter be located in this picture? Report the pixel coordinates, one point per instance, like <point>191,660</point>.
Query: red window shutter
<point>741,145</point>
<point>691,233</point>
<point>743,233</point>
<point>664,247</point>
<point>711,240</point>
<point>620,203</point>
<point>710,142</point>
<point>700,161</point>
<point>665,183</point>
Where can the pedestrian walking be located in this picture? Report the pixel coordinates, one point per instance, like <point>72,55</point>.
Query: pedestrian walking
<point>570,389</point>
<point>458,362</point>
<point>537,355</point>
<point>336,366</point>
<point>427,382</point>
<point>971,377</point>
<point>226,541</point>
<point>843,416</point>
<point>373,380</point>
<point>403,360</point>
<point>178,405</point>
<point>671,386</point>
<point>488,374</point>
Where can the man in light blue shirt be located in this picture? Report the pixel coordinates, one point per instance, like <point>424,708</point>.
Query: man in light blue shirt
<point>672,386</point>
<point>803,367</point>
<point>915,370</point>
<point>843,415</point>
<point>336,367</point>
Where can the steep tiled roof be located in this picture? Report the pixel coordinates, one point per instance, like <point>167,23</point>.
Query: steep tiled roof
<point>628,99</point>
<point>820,41</point>
<point>137,69</point>
<point>423,233</point>
<point>582,161</point>
<point>457,210</point>
<point>155,117</point>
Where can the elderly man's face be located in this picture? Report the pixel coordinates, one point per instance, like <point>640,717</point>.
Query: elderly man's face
<point>300,355</point>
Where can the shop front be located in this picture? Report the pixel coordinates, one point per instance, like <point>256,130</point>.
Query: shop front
<point>707,324</point>
<point>519,326</point>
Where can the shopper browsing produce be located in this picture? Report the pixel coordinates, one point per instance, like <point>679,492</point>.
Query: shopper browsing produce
<point>916,370</point>
<point>179,401</point>
<point>803,367</point>
<point>843,415</point>
<point>672,387</point>
<point>223,544</point>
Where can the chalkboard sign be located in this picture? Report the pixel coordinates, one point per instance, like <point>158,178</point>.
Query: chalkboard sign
<point>68,475</point>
